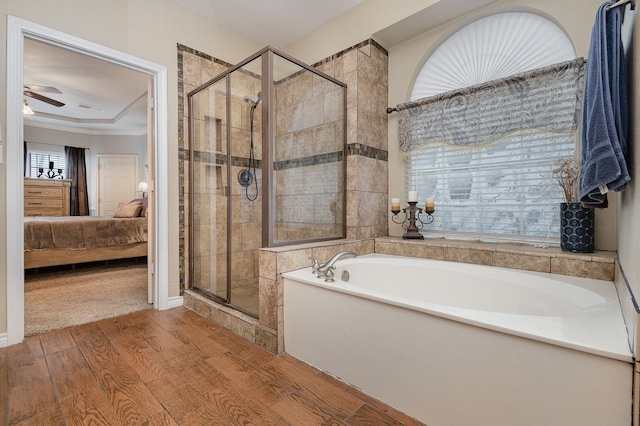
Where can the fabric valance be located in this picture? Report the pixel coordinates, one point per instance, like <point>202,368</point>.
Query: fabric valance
<point>548,98</point>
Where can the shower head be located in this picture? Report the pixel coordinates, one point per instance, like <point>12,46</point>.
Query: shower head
<point>256,102</point>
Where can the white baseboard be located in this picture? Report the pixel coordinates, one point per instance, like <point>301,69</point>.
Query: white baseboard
<point>4,340</point>
<point>174,302</point>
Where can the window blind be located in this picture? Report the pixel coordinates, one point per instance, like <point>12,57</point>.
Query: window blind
<point>494,187</point>
<point>41,159</point>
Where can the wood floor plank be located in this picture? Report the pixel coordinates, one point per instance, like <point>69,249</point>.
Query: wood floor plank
<point>160,419</point>
<point>249,379</point>
<point>146,362</point>
<point>183,330</point>
<point>128,395</point>
<point>300,411</point>
<point>25,401</point>
<point>25,362</point>
<point>375,403</point>
<point>140,330</point>
<point>90,407</point>
<point>27,371</point>
<point>222,336</point>
<point>84,329</point>
<point>201,375</point>
<point>242,408</point>
<point>97,348</point>
<point>171,368</point>
<point>369,416</point>
<point>185,404</point>
<point>4,385</point>
<point>50,415</point>
<point>58,340</point>
<point>70,372</point>
<point>303,379</point>
<point>4,412</point>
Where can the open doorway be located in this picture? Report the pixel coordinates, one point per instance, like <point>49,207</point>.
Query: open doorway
<point>82,262</point>
<point>18,32</point>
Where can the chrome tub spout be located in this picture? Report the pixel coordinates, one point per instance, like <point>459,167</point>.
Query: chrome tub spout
<point>322,269</point>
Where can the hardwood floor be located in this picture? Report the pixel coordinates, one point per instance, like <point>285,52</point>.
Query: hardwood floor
<point>170,368</point>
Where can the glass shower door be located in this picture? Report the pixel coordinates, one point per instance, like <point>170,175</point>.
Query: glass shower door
<point>209,186</point>
<point>246,184</point>
<point>268,157</point>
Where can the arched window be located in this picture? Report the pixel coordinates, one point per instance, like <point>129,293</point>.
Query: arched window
<point>493,109</point>
<point>491,48</point>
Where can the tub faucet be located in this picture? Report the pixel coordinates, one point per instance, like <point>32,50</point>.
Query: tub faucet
<point>315,265</point>
<point>322,269</point>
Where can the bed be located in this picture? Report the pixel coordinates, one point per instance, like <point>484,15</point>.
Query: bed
<point>52,241</point>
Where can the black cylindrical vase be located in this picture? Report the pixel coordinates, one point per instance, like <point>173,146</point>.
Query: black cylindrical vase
<point>577,228</point>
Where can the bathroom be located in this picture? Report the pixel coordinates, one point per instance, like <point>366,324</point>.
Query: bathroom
<point>376,78</point>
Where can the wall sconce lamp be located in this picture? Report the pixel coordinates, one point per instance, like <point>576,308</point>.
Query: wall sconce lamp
<point>144,188</point>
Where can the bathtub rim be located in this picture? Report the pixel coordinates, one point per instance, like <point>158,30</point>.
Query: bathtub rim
<point>617,347</point>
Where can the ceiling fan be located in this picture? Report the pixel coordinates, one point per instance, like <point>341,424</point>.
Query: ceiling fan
<point>31,90</point>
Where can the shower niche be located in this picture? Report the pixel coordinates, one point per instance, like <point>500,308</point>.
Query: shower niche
<point>268,168</point>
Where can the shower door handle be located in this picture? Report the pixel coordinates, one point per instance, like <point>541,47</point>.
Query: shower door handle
<point>225,191</point>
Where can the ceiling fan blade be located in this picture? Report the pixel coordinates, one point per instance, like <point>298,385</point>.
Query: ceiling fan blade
<point>38,88</point>
<point>43,98</point>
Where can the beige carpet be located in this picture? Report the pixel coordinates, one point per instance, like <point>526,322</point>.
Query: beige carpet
<point>57,299</point>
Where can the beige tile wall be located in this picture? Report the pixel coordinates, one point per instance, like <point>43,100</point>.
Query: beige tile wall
<point>364,68</point>
<point>599,265</point>
<point>307,120</point>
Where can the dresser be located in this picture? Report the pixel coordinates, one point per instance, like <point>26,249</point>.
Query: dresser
<point>46,197</point>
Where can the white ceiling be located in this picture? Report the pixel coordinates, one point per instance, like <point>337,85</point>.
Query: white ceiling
<point>99,97</point>
<point>271,22</point>
<point>103,98</point>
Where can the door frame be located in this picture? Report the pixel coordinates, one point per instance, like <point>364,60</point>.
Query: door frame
<point>17,30</point>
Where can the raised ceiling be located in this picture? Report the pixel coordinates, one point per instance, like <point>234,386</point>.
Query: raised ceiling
<point>99,97</point>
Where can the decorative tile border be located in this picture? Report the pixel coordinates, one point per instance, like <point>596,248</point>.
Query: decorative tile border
<point>367,151</point>
<point>183,48</point>
<point>348,49</point>
<point>331,157</point>
<point>221,159</point>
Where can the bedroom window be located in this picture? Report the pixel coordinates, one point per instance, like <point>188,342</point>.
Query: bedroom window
<point>43,159</point>
<point>484,129</point>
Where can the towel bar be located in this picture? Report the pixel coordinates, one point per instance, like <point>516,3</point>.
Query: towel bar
<point>623,3</point>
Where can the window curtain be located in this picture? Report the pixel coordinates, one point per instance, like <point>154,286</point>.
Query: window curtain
<point>77,172</point>
<point>484,113</point>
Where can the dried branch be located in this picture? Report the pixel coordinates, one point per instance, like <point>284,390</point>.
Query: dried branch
<point>567,174</point>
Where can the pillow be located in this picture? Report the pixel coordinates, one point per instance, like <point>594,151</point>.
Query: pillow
<point>145,202</point>
<point>128,210</point>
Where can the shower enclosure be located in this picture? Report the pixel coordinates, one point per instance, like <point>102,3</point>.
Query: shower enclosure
<point>268,167</point>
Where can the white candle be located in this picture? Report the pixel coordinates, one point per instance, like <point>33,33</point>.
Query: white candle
<point>413,196</point>
<point>395,204</point>
<point>429,205</point>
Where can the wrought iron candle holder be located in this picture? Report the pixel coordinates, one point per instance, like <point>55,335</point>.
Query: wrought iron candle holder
<point>51,173</point>
<point>413,223</point>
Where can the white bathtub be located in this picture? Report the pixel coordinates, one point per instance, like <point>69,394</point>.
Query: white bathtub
<point>458,344</point>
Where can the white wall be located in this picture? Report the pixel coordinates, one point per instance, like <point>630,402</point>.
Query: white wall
<point>406,59</point>
<point>629,208</point>
<point>42,138</point>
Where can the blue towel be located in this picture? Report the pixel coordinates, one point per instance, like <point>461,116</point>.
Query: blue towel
<point>605,113</point>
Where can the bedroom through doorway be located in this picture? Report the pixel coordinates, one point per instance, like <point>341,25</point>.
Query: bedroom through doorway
<point>93,264</point>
